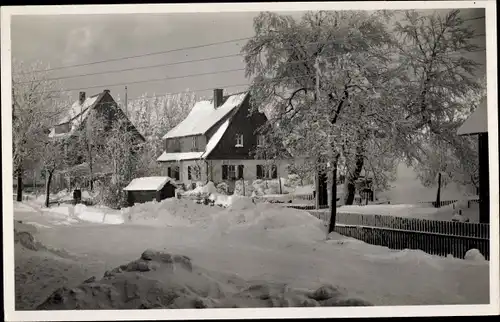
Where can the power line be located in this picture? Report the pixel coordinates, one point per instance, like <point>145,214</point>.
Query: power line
<point>167,64</point>
<point>218,86</point>
<point>150,80</point>
<point>164,52</point>
<point>138,68</point>
<point>141,55</point>
<point>169,78</point>
<point>193,75</point>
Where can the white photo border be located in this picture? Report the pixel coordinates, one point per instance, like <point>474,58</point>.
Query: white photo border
<point>241,313</point>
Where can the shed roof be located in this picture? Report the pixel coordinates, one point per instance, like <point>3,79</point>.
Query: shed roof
<point>147,184</point>
<point>477,121</point>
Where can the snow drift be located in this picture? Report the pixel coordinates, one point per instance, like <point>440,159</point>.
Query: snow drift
<point>163,280</point>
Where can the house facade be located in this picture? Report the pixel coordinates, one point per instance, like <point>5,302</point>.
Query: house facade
<point>217,142</point>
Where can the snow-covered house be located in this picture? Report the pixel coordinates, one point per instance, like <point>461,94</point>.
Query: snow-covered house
<point>75,118</point>
<point>216,142</point>
<point>76,114</point>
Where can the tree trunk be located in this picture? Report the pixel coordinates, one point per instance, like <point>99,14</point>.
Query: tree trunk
<point>19,185</point>
<point>90,169</point>
<point>333,209</point>
<point>438,197</point>
<point>47,189</point>
<point>351,179</point>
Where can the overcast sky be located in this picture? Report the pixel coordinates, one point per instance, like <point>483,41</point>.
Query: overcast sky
<point>65,40</point>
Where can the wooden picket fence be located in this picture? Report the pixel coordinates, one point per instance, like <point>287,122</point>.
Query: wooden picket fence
<point>431,236</point>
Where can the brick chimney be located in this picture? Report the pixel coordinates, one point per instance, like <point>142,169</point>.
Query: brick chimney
<point>218,96</point>
<point>81,98</point>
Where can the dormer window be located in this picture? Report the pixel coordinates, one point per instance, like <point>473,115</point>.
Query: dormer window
<point>62,128</point>
<point>260,140</point>
<point>194,144</point>
<point>239,140</point>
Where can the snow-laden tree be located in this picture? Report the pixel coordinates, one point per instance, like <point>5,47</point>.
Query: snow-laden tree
<point>36,107</point>
<point>154,117</point>
<point>322,79</point>
<point>438,90</point>
<point>121,155</point>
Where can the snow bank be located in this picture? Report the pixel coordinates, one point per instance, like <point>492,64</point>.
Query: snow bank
<point>72,214</point>
<point>209,188</point>
<point>163,280</point>
<point>169,212</point>
<point>474,255</point>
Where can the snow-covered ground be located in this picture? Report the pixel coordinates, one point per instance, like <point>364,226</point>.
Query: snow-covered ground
<point>257,242</point>
<point>446,213</point>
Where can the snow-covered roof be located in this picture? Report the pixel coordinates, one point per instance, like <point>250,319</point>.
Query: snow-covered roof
<point>77,109</point>
<point>147,184</point>
<point>75,115</point>
<point>477,121</point>
<point>204,116</point>
<point>214,140</point>
<point>184,156</point>
<point>179,156</point>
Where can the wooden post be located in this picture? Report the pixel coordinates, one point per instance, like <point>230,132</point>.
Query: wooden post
<point>333,209</point>
<point>316,187</point>
<point>484,180</point>
<point>438,197</point>
<point>46,181</point>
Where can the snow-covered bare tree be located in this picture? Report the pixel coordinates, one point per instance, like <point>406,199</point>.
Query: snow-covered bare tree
<point>121,153</point>
<point>36,106</point>
<point>88,143</point>
<point>52,159</point>
<point>439,89</point>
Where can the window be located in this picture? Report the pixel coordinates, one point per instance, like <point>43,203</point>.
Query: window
<point>62,128</point>
<point>173,172</point>
<point>267,172</point>
<point>194,145</point>
<point>260,174</point>
<point>240,171</point>
<point>228,172</point>
<point>231,172</point>
<point>175,145</point>
<point>260,140</point>
<point>239,140</point>
<point>194,172</point>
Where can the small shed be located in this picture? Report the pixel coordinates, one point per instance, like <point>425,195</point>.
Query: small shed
<point>477,124</point>
<point>147,189</point>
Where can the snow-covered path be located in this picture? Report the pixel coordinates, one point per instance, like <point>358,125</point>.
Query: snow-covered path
<point>268,247</point>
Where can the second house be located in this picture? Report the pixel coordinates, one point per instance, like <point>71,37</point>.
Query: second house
<point>216,142</point>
